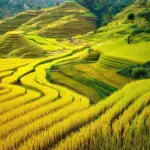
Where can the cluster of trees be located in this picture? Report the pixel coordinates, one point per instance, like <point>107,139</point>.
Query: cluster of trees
<point>137,71</point>
<point>104,9</point>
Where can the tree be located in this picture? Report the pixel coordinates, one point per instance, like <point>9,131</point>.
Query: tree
<point>141,2</point>
<point>1,15</point>
<point>129,39</point>
<point>131,16</point>
<point>3,3</point>
<point>57,3</point>
<point>104,9</point>
<point>139,72</point>
<point>38,7</point>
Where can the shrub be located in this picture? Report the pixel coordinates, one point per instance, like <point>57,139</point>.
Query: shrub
<point>138,30</point>
<point>1,15</point>
<point>147,64</point>
<point>139,72</point>
<point>148,72</point>
<point>38,7</point>
<point>136,71</point>
<point>145,14</point>
<point>131,16</point>
<point>147,30</point>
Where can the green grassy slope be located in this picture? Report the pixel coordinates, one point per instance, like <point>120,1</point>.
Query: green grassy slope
<point>67,20</point>
<point>15,44</point>
<point>112,40</point>
<point>39,28</point>
<point>15,22</point>
<point>61,21</point>
<point>47,22</point>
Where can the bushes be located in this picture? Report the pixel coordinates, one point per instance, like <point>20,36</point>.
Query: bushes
<point>1,15</point>
<point>137,71</point>
<point>131,16</point>
<point>138,30</point>
<point>145,14</point>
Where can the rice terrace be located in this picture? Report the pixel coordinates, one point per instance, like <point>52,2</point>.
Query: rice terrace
<point>75,75</point>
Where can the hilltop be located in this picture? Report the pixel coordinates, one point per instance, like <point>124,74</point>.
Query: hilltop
<point>36,31</point>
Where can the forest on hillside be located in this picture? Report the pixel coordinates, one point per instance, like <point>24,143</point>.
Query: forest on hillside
<point>104,9</point>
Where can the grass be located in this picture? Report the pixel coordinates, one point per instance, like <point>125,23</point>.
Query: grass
<point>55,21</point>
<point>69,101</point>
<point>71,23</point>
<point>22,47</point>
<point>120,49</point>
<point>102,89</point>
<point>112,39</point>
<point>101,73</point>
<point>58,115</point>
<point>96,135</point>
<point>16,21</point>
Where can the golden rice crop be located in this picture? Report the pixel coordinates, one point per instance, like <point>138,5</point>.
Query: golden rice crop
<point>41,115</point>
<point>32,116</point>
<point>84,139</point>
<point>4,91</point>
<point>15,91</point>
<point>56,132</point>
<point>30,67</point>
<point>12,140</point>
<point>11,66</point>
<point>5,74</point>
<point>18,101</point>
<point>131,112</point>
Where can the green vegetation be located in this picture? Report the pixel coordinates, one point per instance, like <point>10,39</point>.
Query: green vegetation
<point>70,71</point>
<point>123,39</point>
<point>14,44</point>
<point>137,71</point>
<point>131,16</point>
<point>99,73</point>
<point>53,22</point>
<point>68,82</point>
<point>79,89</point>
<point>11,7</point>
<point>15,22</point>
<point>104,9</point>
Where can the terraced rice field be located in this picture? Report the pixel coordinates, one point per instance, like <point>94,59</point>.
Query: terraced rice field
<point>113,63</point>
<point>71,98</point>
<point>36,114</point>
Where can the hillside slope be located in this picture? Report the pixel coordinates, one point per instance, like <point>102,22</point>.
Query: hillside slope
<point>11,7</point>
<point>38,114</point>
<point>126,38</point>
<point>48,22</point>
<point>38,29</point>
<point>15,22</point>
<point>14,44</point>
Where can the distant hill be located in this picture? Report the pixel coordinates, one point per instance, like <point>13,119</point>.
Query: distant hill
<point>123,41</point>
<point>11,7</point>
<point>24,35</point>
<point>68,19</point>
